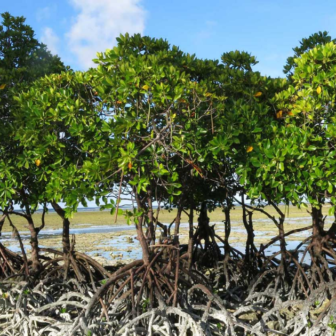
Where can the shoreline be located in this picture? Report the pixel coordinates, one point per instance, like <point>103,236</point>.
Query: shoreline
<point>115,244</point>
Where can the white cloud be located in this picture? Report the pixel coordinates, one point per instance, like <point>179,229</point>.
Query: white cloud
<point>99,22</point>
<point>43,13</point>
<point>50,39</point>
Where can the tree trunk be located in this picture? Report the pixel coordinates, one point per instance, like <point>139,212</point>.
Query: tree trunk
<point>318,231</point>
<point>248,224</point>
<point>227,229</point>
<point>36,265</point>
<point>250,247</point>
<point>191,234</point>
<point>283,271</point>
<point>2,222</point>
<point>66,227</point>
<point>151,229</point>
<point>283,267</point>
<point>143,242</point>
<point>65,237</point>
<point>211,250</point>
<point>24,255</point>
<point>177,226</point>
<point>141,236</point>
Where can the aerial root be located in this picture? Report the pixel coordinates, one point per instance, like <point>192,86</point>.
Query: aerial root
<point>57,307</point>
<point>165,298</point>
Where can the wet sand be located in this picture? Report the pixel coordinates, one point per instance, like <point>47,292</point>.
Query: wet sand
<point>84,219</point>
<point>112,244</point>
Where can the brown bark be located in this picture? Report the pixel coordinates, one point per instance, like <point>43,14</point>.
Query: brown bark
<point>2,222</point>
<point>191,234</point>
<point>36,265</point>
<point>273,240</point>
<point>65,237</point>
<point>282,245</point>
<point>66,227</point>
<point>24,256</point>
<point>280,225</point>
<point>318,231</point>
<point>164,232</point>
<point>227,230</point>
<point>211,251</point>
<point>151,229</point>
<point>34,244</point>
<point>248,224</point>
<point>177,226</point>
<point>141,236</point>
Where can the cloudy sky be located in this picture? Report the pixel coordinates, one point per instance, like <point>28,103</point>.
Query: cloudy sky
<point>269,29</point>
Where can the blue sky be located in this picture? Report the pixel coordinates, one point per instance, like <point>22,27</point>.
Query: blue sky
<point>269,29</point>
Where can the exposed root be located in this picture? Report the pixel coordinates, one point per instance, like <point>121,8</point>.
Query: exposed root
<point>164,297</point>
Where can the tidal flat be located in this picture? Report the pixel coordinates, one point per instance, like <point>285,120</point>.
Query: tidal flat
<point>111,242</point>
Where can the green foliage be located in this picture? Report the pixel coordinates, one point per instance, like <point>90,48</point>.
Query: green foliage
<point>61,129</point>
<point>22,57</point>
<point>295,161</point>
<point>22,60</point>
<point>306,44</point>
<point>145,305</point>
<point>239,60</point>
<point>161,125</point>
<point>332,325</point>
<point>311,100</point>
<point>160,109</point>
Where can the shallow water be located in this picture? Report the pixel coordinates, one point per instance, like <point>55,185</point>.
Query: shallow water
<point>58,232</point>
<point>104,241</point>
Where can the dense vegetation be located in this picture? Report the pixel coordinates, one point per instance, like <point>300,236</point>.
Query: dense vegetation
<point>167,130</point>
